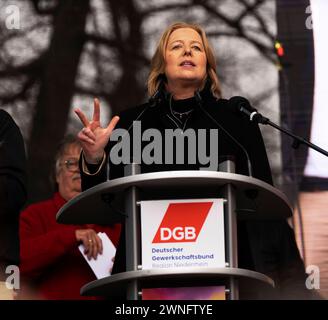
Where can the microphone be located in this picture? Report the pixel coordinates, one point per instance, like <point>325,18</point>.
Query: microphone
<point>152,102</point>
<point>155,98</point>
<point>200,104</point>
<point>242,105</point>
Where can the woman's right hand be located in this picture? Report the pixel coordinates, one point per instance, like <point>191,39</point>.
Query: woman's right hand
<point>93,137</point>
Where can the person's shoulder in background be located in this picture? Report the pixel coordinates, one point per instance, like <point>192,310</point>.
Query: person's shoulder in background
<point>12,163</point>
<point>6,122</point>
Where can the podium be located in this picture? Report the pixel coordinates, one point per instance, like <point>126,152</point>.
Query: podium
<point>246,198</point>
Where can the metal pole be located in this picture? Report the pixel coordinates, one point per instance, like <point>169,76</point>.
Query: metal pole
<point>231,239</point>
<point>132,233</point>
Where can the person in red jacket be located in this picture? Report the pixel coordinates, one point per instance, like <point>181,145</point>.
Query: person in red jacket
<point>50,258</point>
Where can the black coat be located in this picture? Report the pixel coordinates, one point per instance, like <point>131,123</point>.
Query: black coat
<point>12,188</point>
<point>268,247</point>
<point>247,133</point>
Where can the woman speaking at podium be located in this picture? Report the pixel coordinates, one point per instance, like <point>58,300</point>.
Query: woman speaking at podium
<point>185,95</point>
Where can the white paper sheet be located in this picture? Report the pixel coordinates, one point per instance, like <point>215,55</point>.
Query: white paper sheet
<point>103,264</point>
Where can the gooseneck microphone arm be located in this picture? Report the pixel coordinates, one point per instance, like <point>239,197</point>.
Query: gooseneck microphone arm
<point>152,102</point>
<point>245,108</point>
<point>297,139</point>
<point>200,104</point>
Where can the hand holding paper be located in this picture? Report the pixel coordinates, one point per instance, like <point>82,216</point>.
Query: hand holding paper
<point>103,265</point>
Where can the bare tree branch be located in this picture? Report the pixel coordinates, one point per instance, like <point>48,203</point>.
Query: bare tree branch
<point>21,94</point>
<point>236,24</point>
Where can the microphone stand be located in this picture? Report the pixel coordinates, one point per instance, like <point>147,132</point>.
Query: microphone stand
<point>297,139</point>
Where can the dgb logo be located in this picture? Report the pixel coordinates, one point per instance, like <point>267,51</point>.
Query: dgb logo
<point>182,222</point>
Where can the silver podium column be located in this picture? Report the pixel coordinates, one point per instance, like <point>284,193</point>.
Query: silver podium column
<point>230,219</point>
<point>132,233</point>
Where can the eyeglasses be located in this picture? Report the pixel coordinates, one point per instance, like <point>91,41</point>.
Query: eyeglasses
<point>71,164</point>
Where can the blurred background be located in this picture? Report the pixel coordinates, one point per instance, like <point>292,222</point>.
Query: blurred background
<point>56,55</point>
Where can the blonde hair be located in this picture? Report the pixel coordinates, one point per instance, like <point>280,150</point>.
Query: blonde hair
<point>158,60</point>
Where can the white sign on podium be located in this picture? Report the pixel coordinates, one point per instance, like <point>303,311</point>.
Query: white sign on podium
<point>182,234</point>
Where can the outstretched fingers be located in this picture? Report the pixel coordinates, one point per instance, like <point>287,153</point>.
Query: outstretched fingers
<point>111,126</point>
<point>96,110</point>
<point>82,117</point>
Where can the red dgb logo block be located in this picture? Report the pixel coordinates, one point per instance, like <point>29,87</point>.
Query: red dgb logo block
<point>182,222</point>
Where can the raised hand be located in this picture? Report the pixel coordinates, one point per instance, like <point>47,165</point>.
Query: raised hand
<point>93,137</point>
